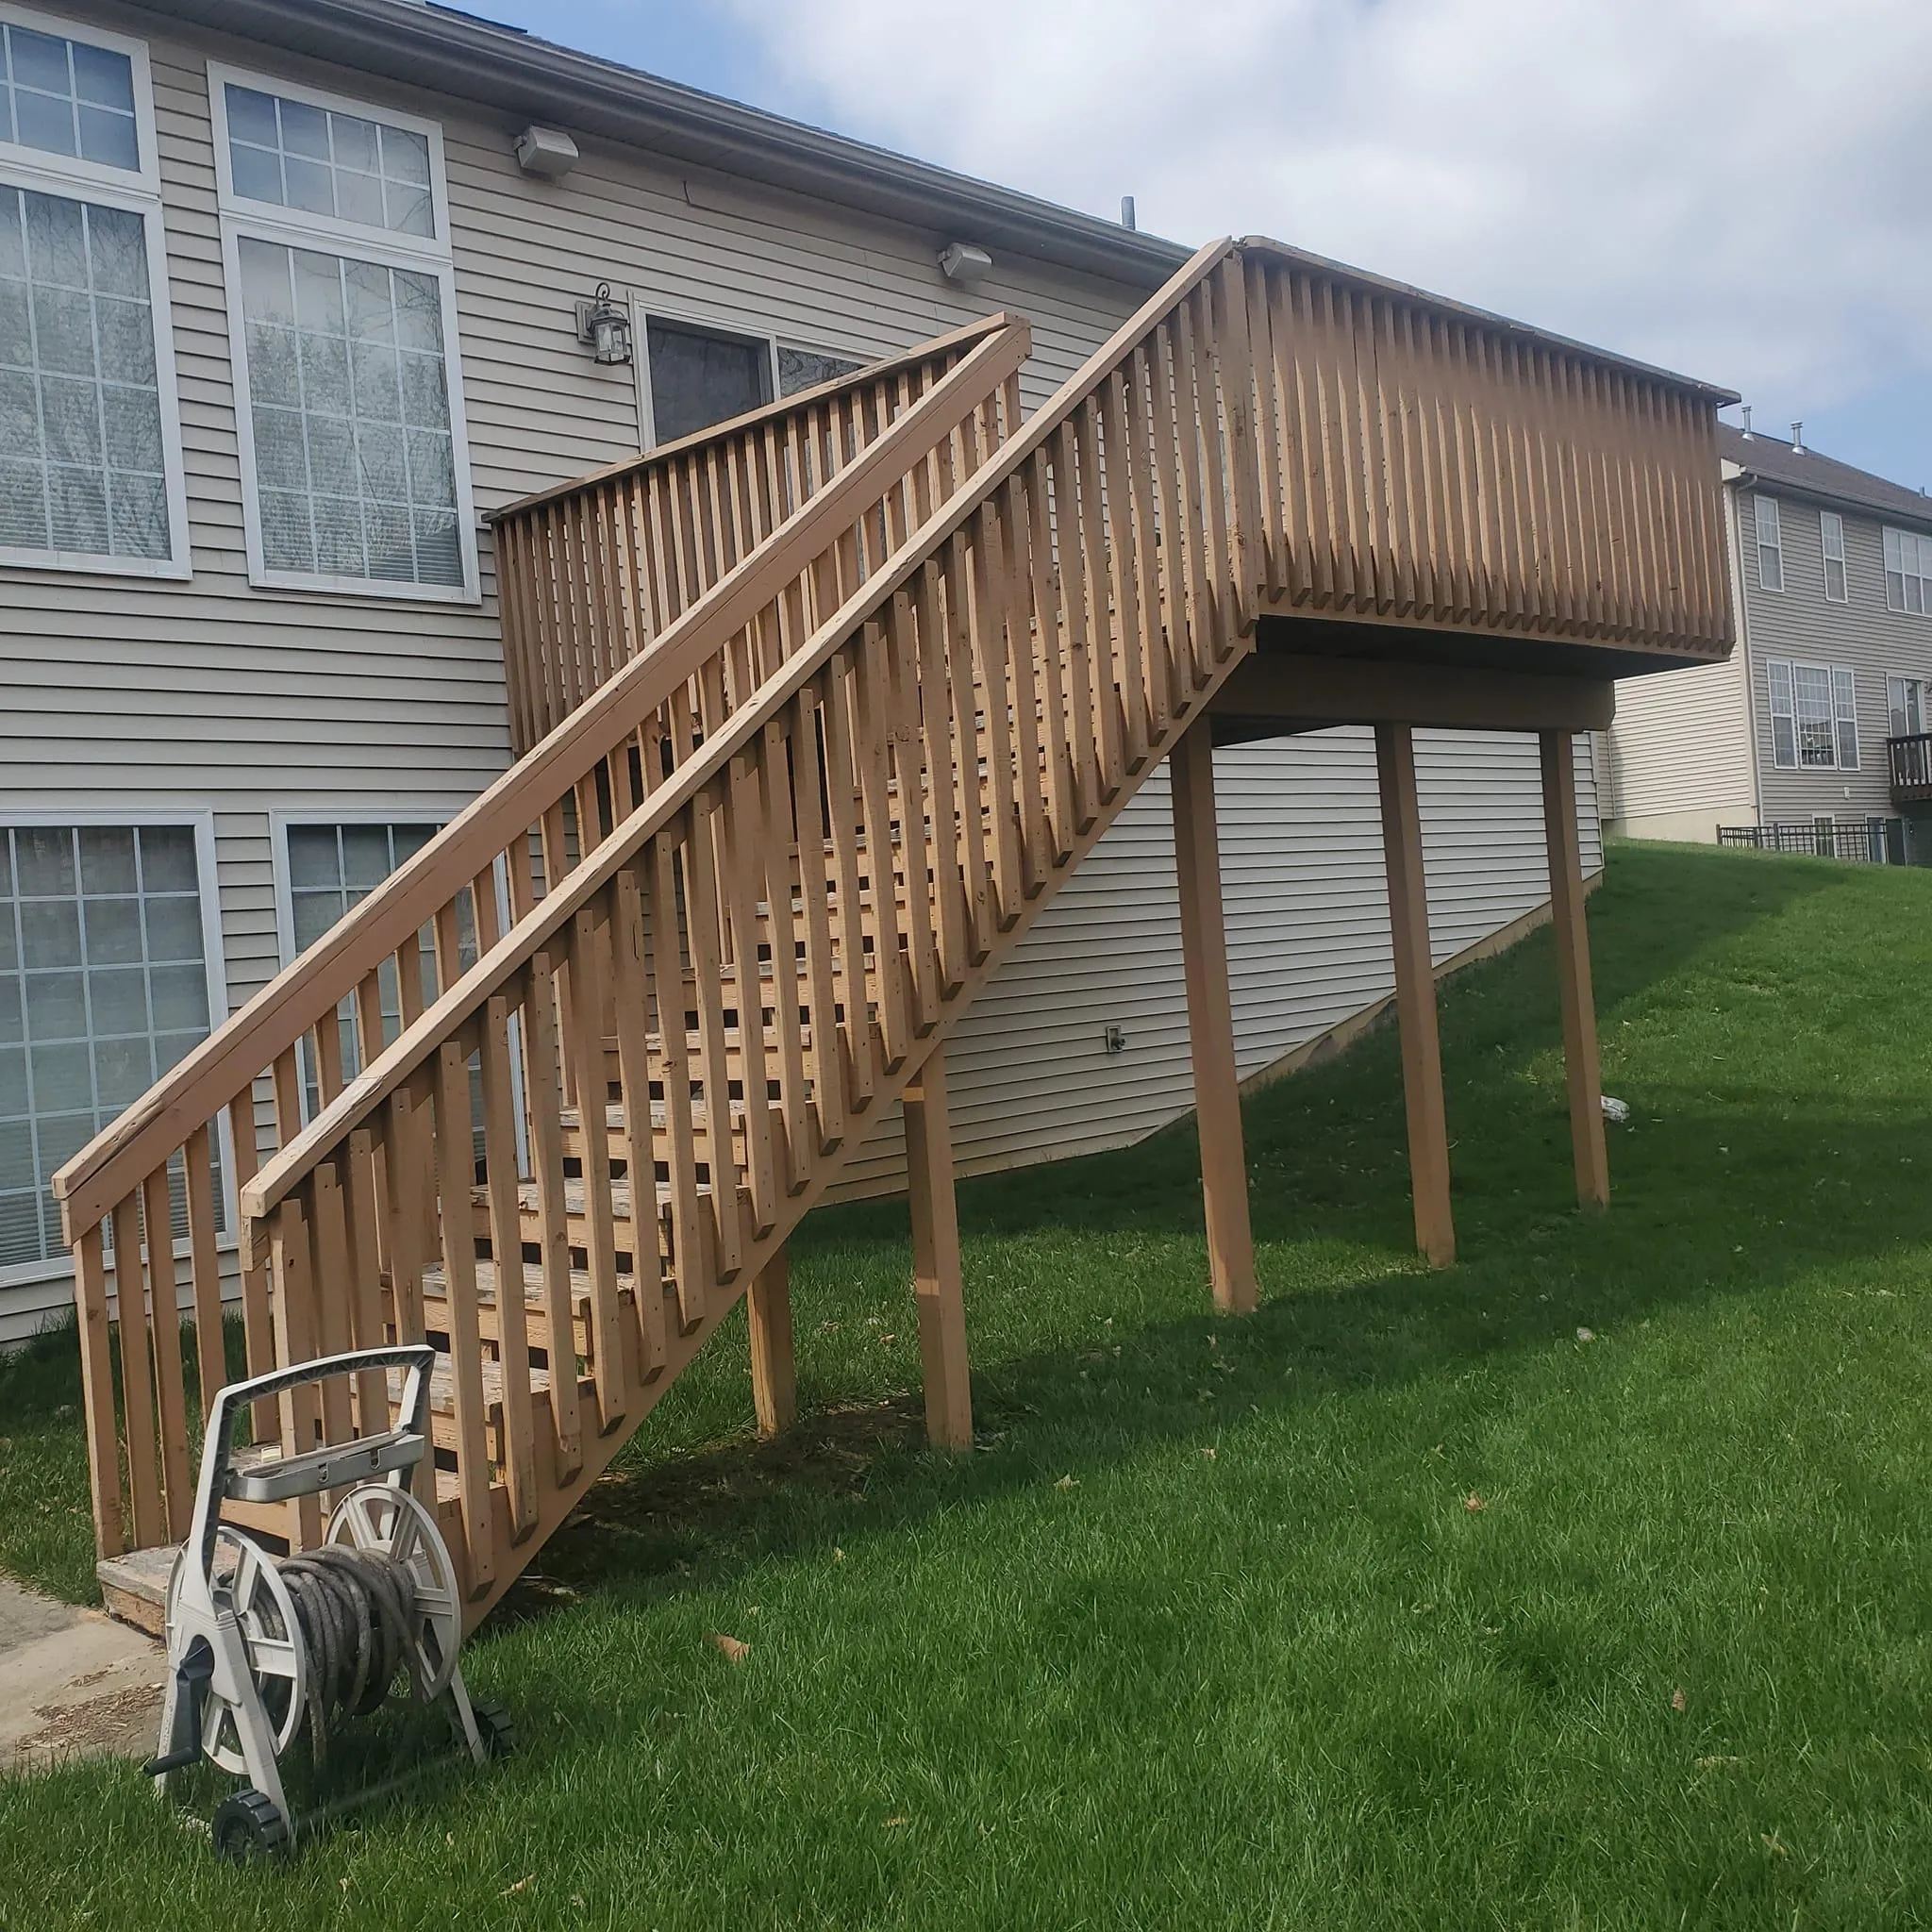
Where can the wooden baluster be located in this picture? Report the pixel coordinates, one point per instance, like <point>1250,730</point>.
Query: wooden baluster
<point>365,1286</point>
<point>583,1054</point>
<point>1156,646</point>
<point>1207,598</point>
<point>897,1018</point>
<point>923,798</point>
<point>986,629</point>
<point>205,1266</point>
<point>97,1387</point>
<point>294,1305</point>
<point>456,1166</point>
<point>258,1318</point>
<point>144,1489</point>
<point>704,930</point>
<point>1123,572</point>
<point>632,1003</point>
<point>1062,776</point>
<point>171,1398</point>
<point>738,884</point>
<point>1271,549</point>
<point>937,716</point>
<point>1196,333</point>
<point>519,1442</point>
<point>1072,597</point>
<point>329,1246</point>
<point>846,828</point>
<point>1012,604</point>
<point>982,912</point>
<point>828,1052</point>
<point>543,1098</point>
<point>1085,534</point>
<point>690,1245</point>
<point>1569,919</point>
<point>1179,576</point>
<point>778,843</point>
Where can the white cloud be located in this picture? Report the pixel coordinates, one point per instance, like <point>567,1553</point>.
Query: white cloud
<point>1736,188</point>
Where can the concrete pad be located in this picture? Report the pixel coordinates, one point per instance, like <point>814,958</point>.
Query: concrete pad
<point>72,1683</point>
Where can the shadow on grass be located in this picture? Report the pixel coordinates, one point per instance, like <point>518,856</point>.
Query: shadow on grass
<point>1724,1187</point>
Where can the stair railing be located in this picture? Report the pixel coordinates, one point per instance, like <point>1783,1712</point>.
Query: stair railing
<point>781,923</point>
<point>590,572</point>
<point>145,1197</point>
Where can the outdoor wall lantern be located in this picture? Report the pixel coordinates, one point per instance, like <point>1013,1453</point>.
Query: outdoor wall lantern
<point>604,324</point>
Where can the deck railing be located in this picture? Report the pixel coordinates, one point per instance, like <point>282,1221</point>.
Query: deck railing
<point>1910,756</point>
<point>753,606</point>
<point>592,571</point>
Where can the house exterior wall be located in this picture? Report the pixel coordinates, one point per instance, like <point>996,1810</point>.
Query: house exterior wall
<point>245,708</point>
<point>1801,623</point>
<point>1678,762</point>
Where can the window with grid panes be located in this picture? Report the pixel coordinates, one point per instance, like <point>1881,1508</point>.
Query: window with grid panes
<point>89,455</point>
<point>358,470</point>
<point>103,986</point>
<point>1908,571</point>
<point>1831,532</point>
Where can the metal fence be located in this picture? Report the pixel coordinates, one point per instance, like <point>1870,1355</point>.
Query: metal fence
<point>1864,842</point>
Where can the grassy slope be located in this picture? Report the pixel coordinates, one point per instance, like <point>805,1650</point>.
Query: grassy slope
<point>1206,1633</point>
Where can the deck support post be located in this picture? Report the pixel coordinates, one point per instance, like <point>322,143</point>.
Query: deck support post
<point>1415,994</point>
<point>1210,1021</point>
<point>1571,931</point>
<point>937,1276</point>
<point>773,1366</point>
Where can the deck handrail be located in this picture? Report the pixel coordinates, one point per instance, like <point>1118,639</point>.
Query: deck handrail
<point>394,911</point>
<point>353,1106</point>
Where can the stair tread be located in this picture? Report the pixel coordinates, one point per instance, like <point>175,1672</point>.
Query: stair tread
<point>434,1279</point>
<point>443,1384</point>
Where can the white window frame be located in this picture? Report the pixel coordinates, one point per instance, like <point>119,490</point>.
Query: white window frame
<point>207,889</point>
<point>1843,682</point>
<point>1905,691</point>
<point>1894,541</point>
<point>1831,543</point>
<point>354,241</point>
<point>137,192</point>
<point>643,312</point>
<point>1760,504</point>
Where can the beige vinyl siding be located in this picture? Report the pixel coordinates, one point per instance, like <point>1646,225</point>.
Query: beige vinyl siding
<point>1029,1077</point>
<point>1680,753</point>
<point>1802,625</point>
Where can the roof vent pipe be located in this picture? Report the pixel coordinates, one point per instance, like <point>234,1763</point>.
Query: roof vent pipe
<point>1746,432</point>
<point>1127,210</point>
<point>1798,439</point>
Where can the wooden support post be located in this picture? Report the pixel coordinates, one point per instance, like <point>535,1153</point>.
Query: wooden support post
<point>773,1368</point>
<point>1210,1021</point>
<point>935,1271</point>
<point>1415,994</point>
<point>1573,969</point>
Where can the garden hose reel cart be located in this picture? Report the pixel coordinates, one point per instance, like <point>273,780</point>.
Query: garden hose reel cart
<point>257,1644</point>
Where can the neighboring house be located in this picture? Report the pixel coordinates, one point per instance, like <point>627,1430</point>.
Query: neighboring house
<point>284,309</point>
<point>1813,735</point>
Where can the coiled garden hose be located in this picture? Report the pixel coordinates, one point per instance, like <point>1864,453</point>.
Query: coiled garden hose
<point>357,1609</point>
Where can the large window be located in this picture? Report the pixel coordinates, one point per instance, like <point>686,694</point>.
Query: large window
<point>695,376</point>
<point>1831,533</point>
<point>103,985</point>
<point>341,302</point>
<point>1908,572</point>
<point>1908,703</point>
<point>90,440</point>
<point>1814,721</point>
<point>1770,554</point>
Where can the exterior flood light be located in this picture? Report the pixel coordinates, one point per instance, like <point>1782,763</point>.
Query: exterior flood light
<point>604,324</point>
<point>964,264</point>
<point>546,152</point>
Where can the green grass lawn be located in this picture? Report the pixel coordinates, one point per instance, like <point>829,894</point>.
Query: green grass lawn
<point>1399,1603</point>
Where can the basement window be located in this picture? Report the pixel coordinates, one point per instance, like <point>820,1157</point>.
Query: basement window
<point>107,951</point>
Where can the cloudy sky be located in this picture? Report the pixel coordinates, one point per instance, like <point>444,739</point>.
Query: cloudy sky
<point>1738,189</point>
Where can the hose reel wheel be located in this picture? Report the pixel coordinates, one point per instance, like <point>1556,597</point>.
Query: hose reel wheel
<point>390,1522</point>
<point>265,1613</point>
